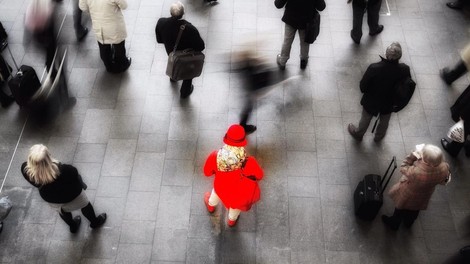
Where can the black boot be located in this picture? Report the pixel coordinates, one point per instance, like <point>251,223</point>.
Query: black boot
<point>89,213</point>
<point>449,76</point>
<point>73,222</point>
<point>452,147</point>
<point>1,226</point>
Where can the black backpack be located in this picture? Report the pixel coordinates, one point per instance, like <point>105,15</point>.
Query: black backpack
<point>403,92</point>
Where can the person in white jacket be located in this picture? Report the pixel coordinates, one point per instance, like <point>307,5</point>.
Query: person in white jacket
<point>110,31</point>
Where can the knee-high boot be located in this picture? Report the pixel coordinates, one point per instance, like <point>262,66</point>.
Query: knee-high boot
<point>89,213</point>
<point>449,76</point>
<point>73,222</point>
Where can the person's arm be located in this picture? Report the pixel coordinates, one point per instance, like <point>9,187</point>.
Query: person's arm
<point>198,42</point>
<point>122,4</point>
<point>210,165</point>
<point>157,32</point>
<point>320,5</point>
<point>252,168</point>
<point>280,3</point>
<point>366,80</point>
<point>82,4</point>
<point>409,160</point>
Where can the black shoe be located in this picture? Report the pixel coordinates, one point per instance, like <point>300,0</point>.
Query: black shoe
<point>303,64</point>
<point>249,129</point>
<point>129,62</point>
<point>83,34</point>
<point>7,101</point>
<point>355,39</point>
<point>186,95</point>
<point>77,220</point>
<point>99,221</point>
<point>446,145</point>
<point>444,73</point>
<point>379,29</point>
<point>1,227</point>
<point>352,132</point>
<point>387,221</point>
<point>281,67</point>
<point>455,5</point>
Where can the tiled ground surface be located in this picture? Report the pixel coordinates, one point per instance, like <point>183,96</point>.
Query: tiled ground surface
<point>140,148</point>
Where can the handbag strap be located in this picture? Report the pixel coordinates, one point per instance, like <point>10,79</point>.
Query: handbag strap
<point>182,27</point>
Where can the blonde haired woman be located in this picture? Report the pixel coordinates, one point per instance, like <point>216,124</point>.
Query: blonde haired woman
<point>61,186</point>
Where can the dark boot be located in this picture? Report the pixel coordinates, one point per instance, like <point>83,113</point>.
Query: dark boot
<point>73,222</point>
<point>449,76</point>
<point>452,147</point>
<point>89,213</point>
<point>391,221</point>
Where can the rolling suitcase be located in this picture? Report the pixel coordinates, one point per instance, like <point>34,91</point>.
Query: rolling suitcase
<point>24,84</point>
<point>368,196</point>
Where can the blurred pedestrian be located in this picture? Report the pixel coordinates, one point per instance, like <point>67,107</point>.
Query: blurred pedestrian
<point>110,31</point>
<point>422,170</point>
<point>379,85</point>
<point>61,186</point>
<point>80,30</point>
<point>297,14</point>
<point>450,75</point>
<point>236,176</point>
<point>359,8</point>
<point>166,32</point>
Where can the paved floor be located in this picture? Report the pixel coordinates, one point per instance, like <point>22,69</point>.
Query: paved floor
<point>140,148</point>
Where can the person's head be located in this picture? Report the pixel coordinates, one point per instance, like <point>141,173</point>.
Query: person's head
<point>232,155</point>
<point>177,10</point>
<point>41,167</point>
<point>393,52</point>
<point>432,155</point>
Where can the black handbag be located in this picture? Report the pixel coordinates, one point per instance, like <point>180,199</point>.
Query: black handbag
<point>313,28</point>
<point>184,64</point>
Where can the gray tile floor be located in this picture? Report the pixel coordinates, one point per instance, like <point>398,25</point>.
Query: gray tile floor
<point>141,149</point>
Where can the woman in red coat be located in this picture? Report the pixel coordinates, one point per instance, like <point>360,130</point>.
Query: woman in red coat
<point>236,176</point>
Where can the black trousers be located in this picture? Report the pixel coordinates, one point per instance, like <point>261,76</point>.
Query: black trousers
<point>408,217</point>
<point>114,56</point>
<point>373,8</point>
<point>186,87</point>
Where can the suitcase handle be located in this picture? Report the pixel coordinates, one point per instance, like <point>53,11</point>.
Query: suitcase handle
<point>393,162</point>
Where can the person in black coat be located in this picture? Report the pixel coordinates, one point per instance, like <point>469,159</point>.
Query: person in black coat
<point>373,8</point>
<point>167,30</point>
<point>378,85</point>
<point>61,186</point>
<point>296,16</point>
<point>460,110</point>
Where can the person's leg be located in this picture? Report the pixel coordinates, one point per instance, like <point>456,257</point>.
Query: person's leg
<point>382,127</point>
<point>73,222</point>
<point>186,88</point>
<point>409,217</point>
<point>358,132</point>
<point>80,31</point>
<point>89,213</point>
<point>304,49</point>
<point>358,7</point>
<point>106,56</point>
<point>289,34</point>
<point>449,76</point>
<point>373,9</point>
<point>393,221</point>
<point>211,200</point>
<point>245,115</point>
<point>233,216</point>
<point>121,62</point>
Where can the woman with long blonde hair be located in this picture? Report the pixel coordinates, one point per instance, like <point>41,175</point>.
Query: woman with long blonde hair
<point>61,186</point>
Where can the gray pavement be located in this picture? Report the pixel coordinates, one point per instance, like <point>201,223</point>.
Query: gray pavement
<point>141,149</point>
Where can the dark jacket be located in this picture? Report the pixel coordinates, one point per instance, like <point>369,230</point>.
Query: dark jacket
<point>167,30</point>
<point>379,83</point>
<point>461,109</point>
<point>299,12</point>
<point>67,186</point>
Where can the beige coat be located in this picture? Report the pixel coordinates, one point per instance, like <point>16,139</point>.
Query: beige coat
<point>108,21</point>
<point>466,55</point>
<point>414,190</point>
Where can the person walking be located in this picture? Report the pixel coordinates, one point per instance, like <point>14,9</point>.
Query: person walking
<point>166,32</point>
<point>359,8</point>
<point>61,186</point>
<point>80,30</point>
<point>462,66</point>
<point>422,170</point>
<point>297,14</point>
<point>378,85</point>
<point>110,31</point>
<point>236,176</point>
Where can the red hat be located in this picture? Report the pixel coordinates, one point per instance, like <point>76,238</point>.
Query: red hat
<point>235,136</point>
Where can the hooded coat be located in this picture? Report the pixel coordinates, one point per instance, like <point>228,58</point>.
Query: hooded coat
<point>234,189</point>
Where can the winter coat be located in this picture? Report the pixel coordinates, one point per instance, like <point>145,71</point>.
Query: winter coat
<point>379,83</point>
<point>167,30</point>
<point>299,12</point>
<point>235,190</point>
<point>107,19</point>
<point>461,110</point>
<point>66,187</point>
<point>466,56</point>
<point>414,190</point>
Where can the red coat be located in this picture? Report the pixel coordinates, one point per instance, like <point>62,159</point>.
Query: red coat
<point>235,190</point>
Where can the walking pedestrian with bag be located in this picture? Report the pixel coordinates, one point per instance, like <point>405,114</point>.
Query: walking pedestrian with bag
<point>236,176</point>
<point>61,186</point>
